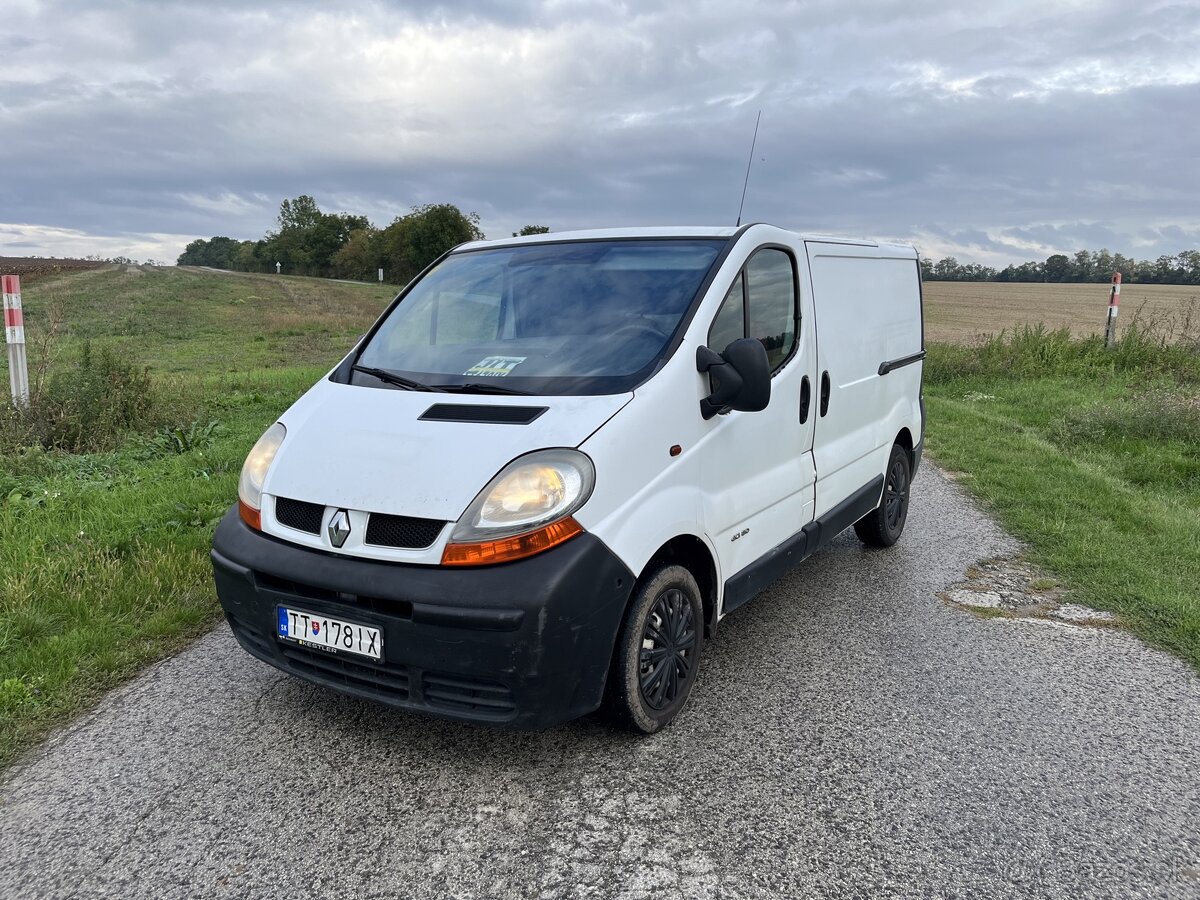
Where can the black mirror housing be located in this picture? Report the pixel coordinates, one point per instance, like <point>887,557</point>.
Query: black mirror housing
<point>743,377</point>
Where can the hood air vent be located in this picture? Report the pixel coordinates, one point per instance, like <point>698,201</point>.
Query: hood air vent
<point>481,413</point>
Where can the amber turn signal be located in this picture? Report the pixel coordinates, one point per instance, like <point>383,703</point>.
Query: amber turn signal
<point>250,515</point>
<point>486,553</point>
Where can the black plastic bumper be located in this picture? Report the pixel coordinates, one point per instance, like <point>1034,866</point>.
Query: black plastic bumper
<point>526,644</point>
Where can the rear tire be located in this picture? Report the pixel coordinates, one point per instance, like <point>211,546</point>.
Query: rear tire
<point>658,651</point>
<point>883,526</point>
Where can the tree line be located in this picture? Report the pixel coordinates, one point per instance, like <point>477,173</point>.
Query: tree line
<point>307,241</point>
<point>1082,266</point>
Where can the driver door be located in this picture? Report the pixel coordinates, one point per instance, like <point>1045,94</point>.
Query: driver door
<point>759,471</point>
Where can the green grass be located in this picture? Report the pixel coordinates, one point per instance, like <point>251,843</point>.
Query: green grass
<point>104,556</point>
<point>1090,456</point>
<point>179,321</point>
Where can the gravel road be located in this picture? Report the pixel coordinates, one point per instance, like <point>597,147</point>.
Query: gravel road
<point>851,735</point>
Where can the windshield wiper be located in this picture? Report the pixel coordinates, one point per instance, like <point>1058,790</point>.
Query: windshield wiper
<point>476,387</point>
<point>393,378</point>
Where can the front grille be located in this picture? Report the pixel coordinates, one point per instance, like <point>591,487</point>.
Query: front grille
<point>299,515</point>
<point>404,532</point>
<point>465,694</point>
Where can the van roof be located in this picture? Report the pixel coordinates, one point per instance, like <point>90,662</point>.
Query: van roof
<point>679,231</point>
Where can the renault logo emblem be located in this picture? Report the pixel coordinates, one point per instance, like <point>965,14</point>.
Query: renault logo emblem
<point>339,528</point>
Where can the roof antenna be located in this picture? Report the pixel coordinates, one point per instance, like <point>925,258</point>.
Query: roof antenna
<point>749,162</point>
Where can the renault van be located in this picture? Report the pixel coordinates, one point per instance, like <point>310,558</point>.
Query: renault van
<point>555,463</point>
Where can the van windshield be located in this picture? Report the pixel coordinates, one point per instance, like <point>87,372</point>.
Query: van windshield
<point>587,317</point>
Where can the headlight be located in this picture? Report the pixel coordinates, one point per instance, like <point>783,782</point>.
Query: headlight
<point>525,509</point>
<point>254,472</point>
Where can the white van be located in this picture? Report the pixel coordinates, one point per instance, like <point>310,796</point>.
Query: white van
<point>555,463</point>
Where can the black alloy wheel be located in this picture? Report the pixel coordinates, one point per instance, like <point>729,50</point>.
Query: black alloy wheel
<point>658,650</point>
<point>883,526</point>
<point>895,493</point>
<point>668,649</point>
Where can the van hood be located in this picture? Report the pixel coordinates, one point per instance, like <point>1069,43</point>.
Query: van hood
<point>370,449</point>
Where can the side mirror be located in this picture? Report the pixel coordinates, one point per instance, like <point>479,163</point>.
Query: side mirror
<point>742,374</point>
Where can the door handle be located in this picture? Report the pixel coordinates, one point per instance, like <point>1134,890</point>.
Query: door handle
<point>824,392</point>
<point>805,398</point>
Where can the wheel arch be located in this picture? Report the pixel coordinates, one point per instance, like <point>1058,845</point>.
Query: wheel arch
<point>905,439</point>
<point>693,554</point>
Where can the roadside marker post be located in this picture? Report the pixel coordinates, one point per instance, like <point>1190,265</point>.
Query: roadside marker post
<point>14,336</point>
<point>1114,301</point>
<point>381,276</point>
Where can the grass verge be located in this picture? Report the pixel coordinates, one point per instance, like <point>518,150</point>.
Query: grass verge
<point>104,556</point>
<point>104,550</point>
<point>1090,456</point>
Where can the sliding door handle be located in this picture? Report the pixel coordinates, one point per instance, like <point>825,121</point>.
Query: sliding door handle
<point>824,392</point>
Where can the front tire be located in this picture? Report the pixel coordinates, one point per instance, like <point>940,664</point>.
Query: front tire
<point>658,651</point>
<point>883,526</point>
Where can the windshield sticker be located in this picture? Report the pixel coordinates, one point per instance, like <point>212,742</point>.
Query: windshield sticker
<point>495,366</point>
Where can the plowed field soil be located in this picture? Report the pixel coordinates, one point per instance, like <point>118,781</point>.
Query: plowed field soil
<point>34,268</point>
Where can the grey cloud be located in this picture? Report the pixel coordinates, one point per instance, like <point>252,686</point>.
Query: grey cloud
<point>886,118</point>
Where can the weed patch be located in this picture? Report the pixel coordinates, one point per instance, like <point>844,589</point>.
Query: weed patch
<point>1035,352</point>
<point>91,404</point>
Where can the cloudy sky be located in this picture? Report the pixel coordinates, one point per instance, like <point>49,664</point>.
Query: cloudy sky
<point>997,132</point>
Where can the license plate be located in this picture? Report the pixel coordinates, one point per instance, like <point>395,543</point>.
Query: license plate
<point>325,633</point>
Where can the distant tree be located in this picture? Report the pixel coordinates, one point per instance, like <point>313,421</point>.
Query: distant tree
<point>532,229</point>
<point>298,214</point>
<point>1126,266</point>
<point>216,252</point>
<point>360,256</point>
<point>1081,266</point>
<point>947,269</point>
<point>1030,271</point>
<point>308,240</point>
<point>412,242</point>
<point>1189,266</point>
<point>1057,268</point>
<point>193,253</point>
<point>250,256</point>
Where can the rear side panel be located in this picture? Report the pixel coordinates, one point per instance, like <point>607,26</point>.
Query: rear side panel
<point>868,312</point>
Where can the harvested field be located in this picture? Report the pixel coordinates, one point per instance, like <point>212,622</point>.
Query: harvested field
<point>960,312</point>
<point>34,268</point>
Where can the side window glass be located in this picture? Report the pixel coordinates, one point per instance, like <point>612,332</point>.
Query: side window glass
<point>730,323</point>
<point>771,303</point>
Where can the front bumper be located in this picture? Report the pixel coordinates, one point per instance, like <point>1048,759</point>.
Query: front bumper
<point>525,644</point>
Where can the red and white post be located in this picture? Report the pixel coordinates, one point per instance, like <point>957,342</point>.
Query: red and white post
<point>1114,301</point>
<point>14,336</point>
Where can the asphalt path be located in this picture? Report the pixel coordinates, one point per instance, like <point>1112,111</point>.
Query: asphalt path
<point>851,735</point>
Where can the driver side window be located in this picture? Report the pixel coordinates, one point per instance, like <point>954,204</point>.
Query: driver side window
<point>730,323</point>
<point>761,304</point>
